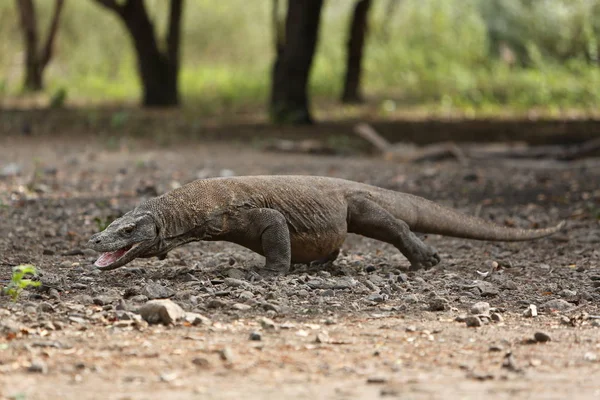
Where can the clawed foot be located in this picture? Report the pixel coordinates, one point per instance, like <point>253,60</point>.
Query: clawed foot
<point>423,256</point>
<point>269,271</point>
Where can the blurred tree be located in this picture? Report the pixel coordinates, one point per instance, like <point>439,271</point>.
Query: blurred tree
<point>158,69</point>
<point>356,40</point>
<point>294,55</point>
<point>36,59</point>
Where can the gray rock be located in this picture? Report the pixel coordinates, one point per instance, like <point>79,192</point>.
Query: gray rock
<point>473,321</point>
<point>10,169</point>
<point>255,336</point>
<point>241,307</point>
<point>45,307</point>
<point>201,362</point>
<point>567,293</point>
<point>438,304</point>
<point>104,300</point>
<point>480,308</point>
<point>235,273</point>
<point>38,367</point>
<point>487,289</point>
<point>496,317</point>
<point>267,323</point>
<point>531,311</point>
<point>153,290</point>
<point>140,298</point>
<point>246,295</point>
<point>302,293</point>
<point>376,298</point>
<point>161,312</point>
<point>197,319</point>
<point>232,282</point>
<point>542,337</point>
<point>557,305</point>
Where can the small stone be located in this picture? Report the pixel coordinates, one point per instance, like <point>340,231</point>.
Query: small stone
<point>376,298</point>
<point>487,289</point>
<point>542,337</point>
<point>234,273</point>
<point>256,336</point>
<point>197,319</point>
<point>154,290</point>
<point>438,304</point>
<point>79,286</point>
<point>241,307</point>
<point>495,348</point>
<point>168,376</point>
<point>530,312</point>
<point>232,282</point>
<point>161,312</point>
<point>226,354</point>
<point>473,321</point>
<point>589,356</point>
<point>496,317</point>
<point>557,305</point>
<point>480,308</point>
<point>411,298</point>
<point>140,298</point>
<point>267,323</point>
<point>328,293</point>
<point>302,293</point>
<point>322,337</point>
<point>48,252</point>
<point>38,367</point>
<point>45,307</point>
<point>104,300</point>
<point>567,293</point>
<point>246,295</point>
<point>54,294</point>
<point>201,362</point>
<point>376,380</point>
<point>565,320</point>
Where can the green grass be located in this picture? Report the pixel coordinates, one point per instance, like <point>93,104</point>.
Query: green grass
<point>440,54</point>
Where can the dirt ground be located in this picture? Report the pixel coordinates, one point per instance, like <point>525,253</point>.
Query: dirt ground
<point>362,328</point>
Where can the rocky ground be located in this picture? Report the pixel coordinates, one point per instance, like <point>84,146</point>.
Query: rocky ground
<point>499,319</point>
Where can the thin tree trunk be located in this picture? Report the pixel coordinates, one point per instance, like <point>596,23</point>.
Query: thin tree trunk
<point>356,40</point>
<point>35,62</point>
<point>158,71</point>
<point>291,70</point>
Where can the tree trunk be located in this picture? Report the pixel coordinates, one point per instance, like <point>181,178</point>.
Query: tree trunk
<point>35,62</point>
<point>356,40</point>
<point>158,70</point>
<point>291,69</point>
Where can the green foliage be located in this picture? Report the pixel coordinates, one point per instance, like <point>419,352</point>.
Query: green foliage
<point>446,54</point>
<point>18,282</point>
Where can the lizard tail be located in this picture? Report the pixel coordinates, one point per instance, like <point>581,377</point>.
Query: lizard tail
<point>428,217</point>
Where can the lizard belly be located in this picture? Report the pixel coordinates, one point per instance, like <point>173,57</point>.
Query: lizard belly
<point>307,248</point>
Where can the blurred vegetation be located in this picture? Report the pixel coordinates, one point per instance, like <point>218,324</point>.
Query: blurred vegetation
<point>450,54</point>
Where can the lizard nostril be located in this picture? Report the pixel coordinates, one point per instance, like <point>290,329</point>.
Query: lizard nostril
<point>97,241</point>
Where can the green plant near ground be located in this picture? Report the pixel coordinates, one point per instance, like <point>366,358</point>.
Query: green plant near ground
<point>18,280</point>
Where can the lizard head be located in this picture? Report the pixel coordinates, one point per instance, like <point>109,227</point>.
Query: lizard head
<point>125,239</point>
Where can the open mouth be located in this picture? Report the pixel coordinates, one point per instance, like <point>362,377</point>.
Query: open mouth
<point>112,257</point>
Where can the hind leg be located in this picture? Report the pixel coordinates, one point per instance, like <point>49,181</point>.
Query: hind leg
<point>367,218</point>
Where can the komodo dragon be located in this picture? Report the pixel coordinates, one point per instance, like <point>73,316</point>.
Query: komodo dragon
<point>289,219</point>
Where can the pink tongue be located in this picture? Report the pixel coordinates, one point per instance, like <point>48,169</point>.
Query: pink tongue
<point>108,258</point>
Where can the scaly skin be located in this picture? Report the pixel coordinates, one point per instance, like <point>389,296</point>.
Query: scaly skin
<point>290,219</point>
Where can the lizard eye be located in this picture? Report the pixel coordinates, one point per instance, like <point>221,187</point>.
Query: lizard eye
<point>128,229</point>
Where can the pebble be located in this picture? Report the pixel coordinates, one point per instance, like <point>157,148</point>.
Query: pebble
<point>256,336</point>
<point>530,312</point>
<point>38,367</point>
<point>376,298</point>
<point>438,304</point>
<point>267,323</point>
<point>104,300</point>
<point>45,307</point>
<point>302,293</point>
<point>557,305</point>
<point>496,317</point>
<point>140,298</point>
<point>241,307</point>
<point>201,362</point>
<point>473,321</point>
<point>487,289</point>
<point>322,337</point>
<point>542,337</point>
<point>161,312</point>
<point>567,293</point>
<point>197,319</point>
<point>153,290</point>
<point>232,282</point>
<point>589,356</point>
<point>480,308</point>
<point>246,295</point>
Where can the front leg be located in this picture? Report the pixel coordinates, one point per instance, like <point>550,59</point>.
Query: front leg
<point>266,232</point>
